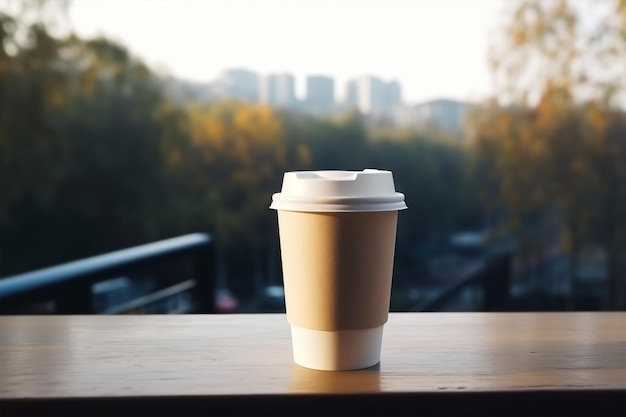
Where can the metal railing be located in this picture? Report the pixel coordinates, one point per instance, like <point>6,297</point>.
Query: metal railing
<point>489,275</point>
<point>69,286</point>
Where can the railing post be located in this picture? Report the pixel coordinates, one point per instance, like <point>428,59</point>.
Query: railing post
<point>204,274</point>
<point>496,283</point>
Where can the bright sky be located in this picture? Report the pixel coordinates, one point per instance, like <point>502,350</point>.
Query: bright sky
<point>433,48</point>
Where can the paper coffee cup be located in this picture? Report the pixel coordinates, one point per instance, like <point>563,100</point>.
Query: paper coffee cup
<point>337,237</point>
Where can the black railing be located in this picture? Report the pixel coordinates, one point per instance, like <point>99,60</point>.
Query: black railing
<point>489,275</point>
<point>69,287</point>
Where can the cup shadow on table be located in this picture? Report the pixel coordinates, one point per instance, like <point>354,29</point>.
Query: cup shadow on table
<point>310,381</point>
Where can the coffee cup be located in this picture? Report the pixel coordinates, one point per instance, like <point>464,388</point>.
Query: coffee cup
<point>337,238</point>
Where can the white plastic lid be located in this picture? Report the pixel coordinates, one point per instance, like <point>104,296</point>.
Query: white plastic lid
<point>338,191</point>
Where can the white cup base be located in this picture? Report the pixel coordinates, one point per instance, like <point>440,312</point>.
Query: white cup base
<point>336,350</point>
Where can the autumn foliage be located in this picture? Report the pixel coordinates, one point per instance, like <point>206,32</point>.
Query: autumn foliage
<point>551,147</point>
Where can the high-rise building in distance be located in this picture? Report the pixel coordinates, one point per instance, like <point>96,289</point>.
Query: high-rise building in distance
<point>392,96</point>
<point>442,114</point>
<point>277,90</point>
<point>240,84</point>
<point>320,94</point>
<point>373,96</point>
<point>370,94</point>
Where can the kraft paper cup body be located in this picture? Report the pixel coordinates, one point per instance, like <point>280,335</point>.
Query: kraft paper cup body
<point>337,271</point>
<point>337,255</point>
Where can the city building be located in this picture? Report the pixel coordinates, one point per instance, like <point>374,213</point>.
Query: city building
<point>350,98</point>
<point>182,91</point>
<point>277,90</point>
<point>240,84</point>
<point>320,94</point>
<point>373,96</point>
<point>442,114</point>
<point>392,96</point>
<point>369,94</point>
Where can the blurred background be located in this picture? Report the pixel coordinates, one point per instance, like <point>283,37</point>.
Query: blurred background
<point>504,123</point>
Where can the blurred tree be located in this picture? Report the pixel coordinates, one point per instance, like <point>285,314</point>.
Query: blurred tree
<point>33,91</point>
<point>111,188</point>
<point>231,167</point>
<point>433,174</point>
<point>84,131</point>
<point>541,149</point>
<point>339,143</point>
<point>117,125</point>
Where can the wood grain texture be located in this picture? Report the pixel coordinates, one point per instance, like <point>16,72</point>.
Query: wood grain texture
<point>518,356</point>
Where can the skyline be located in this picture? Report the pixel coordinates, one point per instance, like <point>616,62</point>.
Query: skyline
<point>373,97</point>
<point>415,43</point>
<point>217,86</point>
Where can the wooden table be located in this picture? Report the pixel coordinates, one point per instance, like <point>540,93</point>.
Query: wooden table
<point>432,364</point>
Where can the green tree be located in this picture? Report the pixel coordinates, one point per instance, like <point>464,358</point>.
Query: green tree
<point>33,154</point>
<point>230,168</point>
<point>85,128</point>
<point>339,143</point>
<point>543,151</point>
<point>434,176</point>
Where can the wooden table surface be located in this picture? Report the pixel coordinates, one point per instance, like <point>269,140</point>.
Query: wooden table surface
<point>432,363</point>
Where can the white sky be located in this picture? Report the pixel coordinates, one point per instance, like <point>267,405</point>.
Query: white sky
<point>434,48</point>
